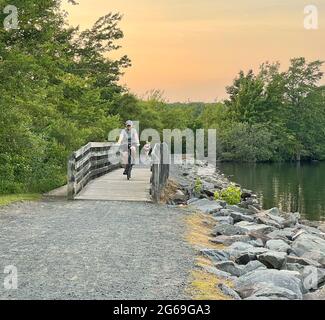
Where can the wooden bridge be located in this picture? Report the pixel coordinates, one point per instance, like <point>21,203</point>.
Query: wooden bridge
<point>94,173</point>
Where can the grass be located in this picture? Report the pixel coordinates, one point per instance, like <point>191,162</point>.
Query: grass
<point>11,198</point>
<point>203,285</point>
<point>199,227</point>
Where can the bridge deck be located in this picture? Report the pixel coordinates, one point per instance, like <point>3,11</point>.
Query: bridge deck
<point>115,187</point>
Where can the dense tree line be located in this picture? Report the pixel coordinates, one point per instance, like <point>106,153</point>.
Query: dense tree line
<point>56,90</point>
<point>272,115</point>
<point>59,90</point>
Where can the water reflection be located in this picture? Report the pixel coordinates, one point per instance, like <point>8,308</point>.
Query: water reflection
<point>291,187</point>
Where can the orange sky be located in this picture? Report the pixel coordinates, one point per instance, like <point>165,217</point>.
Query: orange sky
<point>192,49</point>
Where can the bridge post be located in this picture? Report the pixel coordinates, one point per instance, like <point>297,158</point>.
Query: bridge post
<point>160,170</point>
<point>71,176</point>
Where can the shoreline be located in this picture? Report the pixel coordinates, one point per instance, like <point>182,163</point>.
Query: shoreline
<point>267,254</point>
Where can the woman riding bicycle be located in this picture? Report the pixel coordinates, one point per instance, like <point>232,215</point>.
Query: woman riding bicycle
<point>128,139</point>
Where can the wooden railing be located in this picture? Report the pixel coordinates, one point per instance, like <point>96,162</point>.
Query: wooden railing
<point>160,170</point>
<point>88,163</point>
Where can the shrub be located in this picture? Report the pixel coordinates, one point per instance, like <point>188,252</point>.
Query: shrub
<point>198,185</point>
<point>232,195</point>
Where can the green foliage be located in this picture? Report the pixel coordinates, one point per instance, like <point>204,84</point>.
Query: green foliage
<point>198,185</point>
<point>8,199</point>
<point>232,195</point>
<point>56,92</point>
<point>216,195</point>
<point>271,115</point>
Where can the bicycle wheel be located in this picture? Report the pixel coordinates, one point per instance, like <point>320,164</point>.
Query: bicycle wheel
<point>129,166</point>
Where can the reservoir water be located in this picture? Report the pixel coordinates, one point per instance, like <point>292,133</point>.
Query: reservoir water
<point>293,187</point>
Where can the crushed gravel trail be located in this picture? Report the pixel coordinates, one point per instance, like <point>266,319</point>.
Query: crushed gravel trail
<point>94,250</point>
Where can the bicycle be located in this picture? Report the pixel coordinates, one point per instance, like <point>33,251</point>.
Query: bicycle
<point>129,165</point>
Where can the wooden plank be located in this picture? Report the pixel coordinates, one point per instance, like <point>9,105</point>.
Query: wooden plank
<point>115,187</point>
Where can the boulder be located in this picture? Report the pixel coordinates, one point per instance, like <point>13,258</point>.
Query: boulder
<point>316,295</point>
<point>228,291</point>
<point>286,234</point>
<point>224,220</point>
<point>245,256</point>
<point>222,213</point>
<point>215,255</point>
<point>252,266</point>
<point>291,219</point>
<point>206,206</point>
<point>218,273</point>
<point>227,230</point>
<point>237,217</point>
<point>192,200</point>
<point>253,209</point>
<point>238,209</point>
<point>271,220</point>
<point>179,197</point>
<point>294,267</point>
<point>278,245</point>
<point>228,240</point>
<point>302,261</point>
<point>310,246</point>
<point>269,291</point>
<point>249,283</point>
<point>257,243</point>
<point>229,267</point>
<point>273,259</point>
<point>274,211</point>
<point>322,227</point>
<point>312,230</point>
<point>254,227</point>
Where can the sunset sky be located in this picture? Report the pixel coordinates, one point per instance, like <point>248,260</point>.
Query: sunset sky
<point>192,49</point>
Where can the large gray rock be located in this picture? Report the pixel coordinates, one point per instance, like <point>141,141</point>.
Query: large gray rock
<point>312,230</point>
<point>229,267</point>
<point>274,212</point>
<point>237,217</point>
<point>271,220</point>
<point>269,291</point>
<point>310,246</point>
<point>228,240</point>
<point>228,291</point>
<point>238,270</point>
<point>218,273</point>
<point>179,197</point>
<point>215,255</point>
<point>249,283</point>
<point>291,219</point>
<point>254,227</point>
<point>316,295</point>
<point>224,220</point>
<point>245,256</point>
<point>286,234</point>
<point>252,266</point>
<point>257,243</point>
<point>278,245</point>
<point>273,259</point>
<point>303,261</point>
<point>227,230</point>
<point>206,206</point>
<point>240,246</point>
<point>222,213</point>
<point>238,209</point>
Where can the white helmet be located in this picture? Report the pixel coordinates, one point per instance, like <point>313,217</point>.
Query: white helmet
<point>129,123</point>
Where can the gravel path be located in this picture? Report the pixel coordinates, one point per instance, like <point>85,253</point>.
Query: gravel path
<point>94,250</point>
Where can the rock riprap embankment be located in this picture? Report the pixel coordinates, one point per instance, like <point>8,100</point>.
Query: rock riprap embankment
<point>267,254</point>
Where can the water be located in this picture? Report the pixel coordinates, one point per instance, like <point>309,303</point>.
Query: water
<point>293,187</point>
